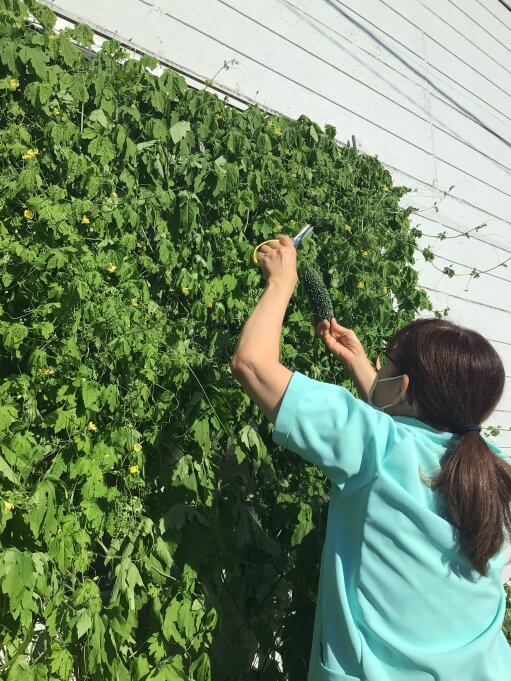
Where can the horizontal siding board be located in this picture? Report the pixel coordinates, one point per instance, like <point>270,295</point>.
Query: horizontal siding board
<point>467,187</point>
<point>381,18</point>
<point>469,76</point>
<point>461,21</point>
<point>466,252</point>
<point>439,30</point>
<point>465,135</point>
<point>490,15</point>
<point>479,290</point>
<point>372,41</point>
<point>452,211</point>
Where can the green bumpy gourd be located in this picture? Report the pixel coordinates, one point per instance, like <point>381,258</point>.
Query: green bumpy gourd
<point>317,293</point>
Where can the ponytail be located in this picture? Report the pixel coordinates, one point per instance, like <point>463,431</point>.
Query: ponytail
<point>475,486</point>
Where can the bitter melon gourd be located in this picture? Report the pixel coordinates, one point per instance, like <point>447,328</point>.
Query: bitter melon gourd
<point>317,293</point>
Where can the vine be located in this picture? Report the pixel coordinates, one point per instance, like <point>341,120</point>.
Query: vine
<point>146,533</point>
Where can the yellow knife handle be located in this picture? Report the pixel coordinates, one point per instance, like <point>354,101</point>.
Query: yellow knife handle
<point>254,256</point>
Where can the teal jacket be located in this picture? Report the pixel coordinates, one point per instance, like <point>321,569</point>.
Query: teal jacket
<point>396,600</point>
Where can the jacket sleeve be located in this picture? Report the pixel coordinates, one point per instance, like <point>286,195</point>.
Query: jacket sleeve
<point>342,435</point>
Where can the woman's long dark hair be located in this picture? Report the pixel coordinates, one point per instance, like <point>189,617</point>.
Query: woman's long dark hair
<point>457,377</point>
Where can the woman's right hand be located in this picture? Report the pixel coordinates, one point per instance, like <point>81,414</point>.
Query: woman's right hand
<point>343,343</point>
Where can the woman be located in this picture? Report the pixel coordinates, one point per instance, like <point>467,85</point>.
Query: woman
<point>410,585</point>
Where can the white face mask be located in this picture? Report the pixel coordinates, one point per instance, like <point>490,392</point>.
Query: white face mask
<point>373,388</point>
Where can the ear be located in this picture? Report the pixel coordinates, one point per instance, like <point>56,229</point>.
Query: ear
<point>405,382</point>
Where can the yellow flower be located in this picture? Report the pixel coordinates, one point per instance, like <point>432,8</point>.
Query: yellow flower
<point>91,426</point>
<point>114,195</point>
<point>134,302</point>
<point>384,289</point>
<point>210,304</point>
<point>360,284</point>
<point>28,214</point>
<point>347,228</point>
<point>85,220</point>
<point>111,267</point>
<point>278,132</point>
<point>185,290</point>
<point>134,470</point>
<point>365,253</point>
<point>385,188</point>
<point>14,84</point>
<point>30,153</point>
<point>46,372</point>
<point>8,506</point>
<point>137,447</point>
<point>56,112</point>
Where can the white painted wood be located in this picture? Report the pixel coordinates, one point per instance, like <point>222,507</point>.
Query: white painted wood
<point>458,17</point>
<point>490,15</point>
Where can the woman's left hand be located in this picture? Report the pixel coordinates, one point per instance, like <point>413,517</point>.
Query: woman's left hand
<point>277,260</point>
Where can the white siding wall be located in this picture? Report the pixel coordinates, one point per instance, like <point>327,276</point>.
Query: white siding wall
<point>424,85</point>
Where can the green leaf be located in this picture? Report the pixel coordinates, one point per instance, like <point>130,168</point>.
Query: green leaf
<point>61,662</point>
<point>200,669</point>
<point>64,419</point>
<point>163,549</point>
<point>184,473</point>
<point>83,624</point>
<point>146,145</point>
<point>304,525</point>
<point>202,436</point>
<point>17,579</point>
<point>159,100</point>
<point>99,116</point>
<point>70,55</point>
<point>8,414</point>
<point>188,210</point>
<point>169,629</point>
<point>7,471</point>
<point>97,650</point>
<point>36,57</point>
<point>127,578</point>
<point>90,395</point>
<point>8,55</point>
<point>14,336</point>
<point>156,649</point>
<point>179,130</point>
<point>102,148</point>
<point>251,437</point>
<point>83,34</point>
<point>41,517</point>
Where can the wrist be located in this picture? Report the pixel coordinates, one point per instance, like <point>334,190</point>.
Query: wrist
<point>364,375</point>
<point>281,284</point>
<point>361,365</point>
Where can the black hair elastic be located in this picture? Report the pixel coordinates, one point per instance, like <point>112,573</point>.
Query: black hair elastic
<point>468,428</point>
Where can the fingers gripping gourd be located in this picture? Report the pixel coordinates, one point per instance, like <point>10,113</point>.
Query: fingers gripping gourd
<point>317,293</point>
